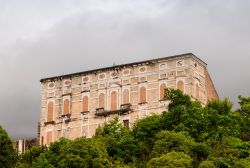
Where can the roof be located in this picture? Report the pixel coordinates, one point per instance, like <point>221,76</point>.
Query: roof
<point>121,66</point>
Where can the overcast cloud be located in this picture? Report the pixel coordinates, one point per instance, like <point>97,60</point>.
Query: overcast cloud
<point>43,38</point>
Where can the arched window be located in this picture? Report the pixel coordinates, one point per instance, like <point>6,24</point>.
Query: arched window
<point>162,91</point>
<point>102,100</point>
<point>49,137</point>
<point>142,94</point>
<point>113,104</point>
<point>66,106</point>
<point>197,88</point>
<point>50,111</point>
<point>180,85</point>
<point>125,99</point>
<point>85,104</point>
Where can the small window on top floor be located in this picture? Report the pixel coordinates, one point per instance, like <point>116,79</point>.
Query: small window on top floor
<point>179,63</point>
<point>162,66</point>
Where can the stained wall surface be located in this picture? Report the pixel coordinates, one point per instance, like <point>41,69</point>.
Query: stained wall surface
<point>75,105</point>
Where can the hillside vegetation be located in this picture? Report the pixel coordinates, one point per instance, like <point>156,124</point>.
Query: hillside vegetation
<point>186,135</point>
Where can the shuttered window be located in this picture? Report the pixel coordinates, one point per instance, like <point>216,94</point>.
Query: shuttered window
<point>85,104</point>
<point>102,100</point>
<point>49,137</point>
<point>50,111</point>
<point>125,96</point>
<point>113,105</point>
<point>162,91</point>
<point>142,94</point>
<point>180,85</point>
<point>66,106</point>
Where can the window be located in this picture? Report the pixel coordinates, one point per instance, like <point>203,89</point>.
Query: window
<point>142,94</point>
<point>197,88</point>
<point>179,63</point>
<point>102,100</point>
<point>67,82</point>
<point>50,111</point>
<point>85,104</point>
<point>125,96</point>
<point>142,69</point>
<point>126,72</point>
<point>162,91</point>
<point>49,137</point>
<point>102,76</point>
<point>51,85</point>
<point>162,66</point>
<point>66,106</point>
<point>180,85</point>
<point>113,105</point>
<point>85,79</point>
<point>42,140</point>
<point>126,123</point>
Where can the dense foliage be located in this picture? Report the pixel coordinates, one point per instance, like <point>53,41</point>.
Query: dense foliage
<point>8,156</point>
<point>186,135</point>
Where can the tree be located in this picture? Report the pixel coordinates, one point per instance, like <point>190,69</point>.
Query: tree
<point>118,140</point>
<point>242,163</point>
<point>207,164</point>
<point>167,141</point>
<point>144,132</point>
<point>245,117</point>
<point>200,152</point>
<point>30,155</point>
<point>8,156</point>
<point>83,151</point>
<point>42,162</point>
<point>171,160</point>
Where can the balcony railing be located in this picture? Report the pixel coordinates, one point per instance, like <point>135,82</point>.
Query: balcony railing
<point>123,109</point>
<point>49,122</point>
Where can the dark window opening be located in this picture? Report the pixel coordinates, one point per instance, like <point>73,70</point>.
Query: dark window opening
<point>126,123</point>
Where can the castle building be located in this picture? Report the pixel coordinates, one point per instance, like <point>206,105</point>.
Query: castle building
<point>74,105</point>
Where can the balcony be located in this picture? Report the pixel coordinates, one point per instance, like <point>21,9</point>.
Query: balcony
<point>123,109</point>
<point>66,115</point>
<point>67,121</point>
<point>49,122</point>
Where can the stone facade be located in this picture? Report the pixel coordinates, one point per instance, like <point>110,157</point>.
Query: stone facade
<point>75,105</point>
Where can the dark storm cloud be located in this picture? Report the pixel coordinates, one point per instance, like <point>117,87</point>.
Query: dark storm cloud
<point>94,34</point>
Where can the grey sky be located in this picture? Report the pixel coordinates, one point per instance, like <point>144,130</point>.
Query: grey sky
<point>43,38</point>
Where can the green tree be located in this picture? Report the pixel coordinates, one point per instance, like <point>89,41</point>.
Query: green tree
<point>118,140</point>
<point>42,162</point>
<point>144,132</point>
<point>245,117</point>
<point>83,151</point>
<point>200,152</point>
<point>8,156</point>
<point>171,160</point>
<point>30,155</point>
<point>207,164</point>
<point>167,141</point>
<point>242,163</point>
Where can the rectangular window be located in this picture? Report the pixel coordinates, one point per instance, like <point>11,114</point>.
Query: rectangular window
<point>126,123</point>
